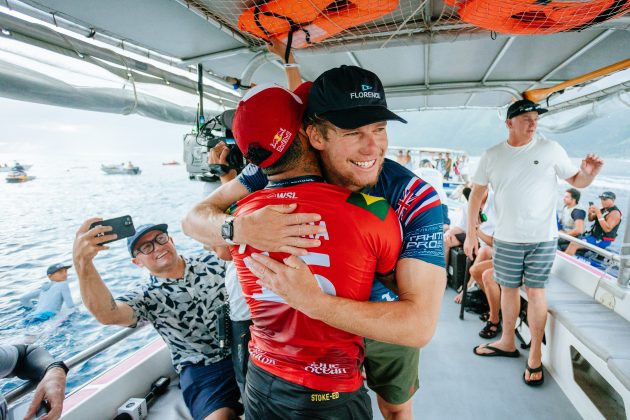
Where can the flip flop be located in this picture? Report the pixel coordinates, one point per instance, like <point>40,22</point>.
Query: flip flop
<point>536,382</point>
<point>496,352</point>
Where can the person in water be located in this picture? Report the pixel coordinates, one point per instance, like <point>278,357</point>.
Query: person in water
<point>52,295</point>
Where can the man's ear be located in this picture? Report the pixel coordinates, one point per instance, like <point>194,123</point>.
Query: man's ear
<point>508,123</point>
<point>315,137</point>
<point>137,262</point>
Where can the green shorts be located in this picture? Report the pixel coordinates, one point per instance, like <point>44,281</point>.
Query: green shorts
<point>391,370</point>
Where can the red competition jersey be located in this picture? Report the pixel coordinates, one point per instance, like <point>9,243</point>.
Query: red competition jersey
<point>363,237</point>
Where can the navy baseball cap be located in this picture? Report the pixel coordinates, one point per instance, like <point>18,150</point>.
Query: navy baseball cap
<point>349,97</point>
<point>608,194</point>
<point>523,106</point>
<point>56,267</point>
<point>140,231</point>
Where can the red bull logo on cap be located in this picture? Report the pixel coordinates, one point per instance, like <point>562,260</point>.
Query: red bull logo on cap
<point>280,140</point>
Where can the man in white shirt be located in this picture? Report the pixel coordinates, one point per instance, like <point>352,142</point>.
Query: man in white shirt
<point>523,172</point>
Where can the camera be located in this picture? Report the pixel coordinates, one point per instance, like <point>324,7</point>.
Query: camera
<point>197,145</point>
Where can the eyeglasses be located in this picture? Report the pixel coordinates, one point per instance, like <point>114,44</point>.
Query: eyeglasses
<point>148,247</point>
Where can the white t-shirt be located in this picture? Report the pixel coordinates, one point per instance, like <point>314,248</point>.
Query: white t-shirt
<point>525,180</point>
<point>435,179</point>
<point>239,311</point>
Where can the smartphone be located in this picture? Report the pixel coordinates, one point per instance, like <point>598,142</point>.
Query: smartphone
<point>121,226</point>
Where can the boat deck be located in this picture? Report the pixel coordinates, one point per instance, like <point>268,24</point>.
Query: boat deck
<point>454,383</point>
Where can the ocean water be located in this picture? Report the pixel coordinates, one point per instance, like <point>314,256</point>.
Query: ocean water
<point>38,222</point>
<point>39,219</point>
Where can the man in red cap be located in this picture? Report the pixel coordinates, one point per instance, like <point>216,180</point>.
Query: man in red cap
<point>346,121</point>
<point>299,364</point>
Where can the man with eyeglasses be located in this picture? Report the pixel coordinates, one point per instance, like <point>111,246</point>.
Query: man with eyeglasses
<point>182,299</point>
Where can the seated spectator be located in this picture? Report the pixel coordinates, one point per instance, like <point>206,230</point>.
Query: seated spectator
<point>606,223</point>
<point>183,299</point>
<point>35,364</point>
<point>456,235</point>
<point>571,217</point>
<point>52,295</point>
<point>428,173</point>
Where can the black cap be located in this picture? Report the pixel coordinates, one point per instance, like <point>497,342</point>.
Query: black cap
<point>56,267</point>
<point>349,97</point>
<point>608,194</point>
<point>523,106</point>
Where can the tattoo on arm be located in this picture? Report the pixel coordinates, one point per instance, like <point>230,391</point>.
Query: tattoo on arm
<point>114,306</point>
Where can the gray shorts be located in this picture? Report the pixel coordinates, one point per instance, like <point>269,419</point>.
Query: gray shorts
<point>516,263</point>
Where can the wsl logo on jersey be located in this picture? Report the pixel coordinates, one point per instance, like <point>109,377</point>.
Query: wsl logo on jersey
<point>280,140</point>
<point>290,195</point>
<point>366,92</point>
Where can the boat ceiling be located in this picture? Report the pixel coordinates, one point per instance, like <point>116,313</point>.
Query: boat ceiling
<point>424,54</point>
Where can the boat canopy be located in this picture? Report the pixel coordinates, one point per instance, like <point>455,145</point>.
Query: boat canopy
<point>430,54</point>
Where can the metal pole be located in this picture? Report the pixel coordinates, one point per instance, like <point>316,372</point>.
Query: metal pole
<point>86,354</point>
<point>200,90</point>
<point>624,255</point>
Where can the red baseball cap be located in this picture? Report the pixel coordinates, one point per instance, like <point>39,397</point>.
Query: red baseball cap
<point>270,116</point>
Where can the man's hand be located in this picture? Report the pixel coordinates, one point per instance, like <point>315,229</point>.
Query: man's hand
<point>591,165</point>
<point>276,228</point>
<point>218,154</point>
<point>471,245</point>
<point>292,281</point>
<point>52,389</point>
<point>86,242</point>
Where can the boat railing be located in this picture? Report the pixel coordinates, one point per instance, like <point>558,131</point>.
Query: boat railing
<point>73,361</point>
<point>609,257</point>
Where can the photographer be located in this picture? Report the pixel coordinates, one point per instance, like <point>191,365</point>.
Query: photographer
<point>182,295</point>
<point>607,221</point>
<point>218,163</point>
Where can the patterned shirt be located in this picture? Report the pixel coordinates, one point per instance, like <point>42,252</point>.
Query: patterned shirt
<point>185,311</point>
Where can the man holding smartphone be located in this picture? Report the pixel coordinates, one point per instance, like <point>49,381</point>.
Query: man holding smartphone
<point>182,294</point>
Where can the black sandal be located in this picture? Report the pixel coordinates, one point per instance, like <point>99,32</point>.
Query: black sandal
<point>484,316</point>
<point>534,382</point>
<point>491,330</point>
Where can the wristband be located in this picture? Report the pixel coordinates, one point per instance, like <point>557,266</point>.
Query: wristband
<point>600,218</point>
<point>291,65</point>
<point>57,364</point>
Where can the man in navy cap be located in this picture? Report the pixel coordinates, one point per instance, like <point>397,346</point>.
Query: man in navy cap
<point>52,295</point>
<point>346,122</point>
<point>606,223</point>
<point>183,299</point>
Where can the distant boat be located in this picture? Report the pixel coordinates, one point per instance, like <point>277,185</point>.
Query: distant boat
<point>6,168</point>
<point>120,169</point>
<point>171,163</point>
<point>18,175</point>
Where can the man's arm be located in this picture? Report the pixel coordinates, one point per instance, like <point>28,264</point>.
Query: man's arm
<point>578,230</point>
<point>471,245</point>
<point>410,321</point>
<point>96,296</point>
<point>487,239</point>
<point>25,299</point>
<point>272,228</point>
<point>611,220</point>
<point>590,167</point>
<point>291,69</point>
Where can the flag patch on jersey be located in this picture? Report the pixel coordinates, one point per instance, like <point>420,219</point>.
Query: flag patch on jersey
<point>375,205</point>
